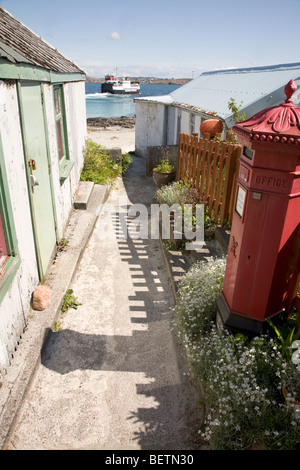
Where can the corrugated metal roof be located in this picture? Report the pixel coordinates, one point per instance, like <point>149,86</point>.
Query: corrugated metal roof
<point>163,99</point>
<point>18,44</point>
<point>255,87</point>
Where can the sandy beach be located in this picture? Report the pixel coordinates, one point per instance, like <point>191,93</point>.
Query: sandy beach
<point>112,133</point>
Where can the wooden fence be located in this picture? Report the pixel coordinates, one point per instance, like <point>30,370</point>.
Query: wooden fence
<point>210,166</point>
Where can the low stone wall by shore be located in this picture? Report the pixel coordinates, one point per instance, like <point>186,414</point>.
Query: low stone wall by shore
<point>127,122</point>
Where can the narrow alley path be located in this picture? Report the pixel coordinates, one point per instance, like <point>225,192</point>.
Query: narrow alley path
<point>113,377</point>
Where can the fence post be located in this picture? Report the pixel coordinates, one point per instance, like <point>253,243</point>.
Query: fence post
<point>234,152</point>
<point>180,156</point>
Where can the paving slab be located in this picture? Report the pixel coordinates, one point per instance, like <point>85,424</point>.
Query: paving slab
<point>83,195</point>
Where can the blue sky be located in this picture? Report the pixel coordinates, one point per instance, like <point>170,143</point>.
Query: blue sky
<point>164,38</point>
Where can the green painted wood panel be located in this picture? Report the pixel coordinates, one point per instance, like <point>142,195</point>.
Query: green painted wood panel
<point>35,144</point>
<point>11,71</point>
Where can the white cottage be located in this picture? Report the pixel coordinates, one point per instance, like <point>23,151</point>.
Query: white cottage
<point>42,135</point>
<point>160,119</point>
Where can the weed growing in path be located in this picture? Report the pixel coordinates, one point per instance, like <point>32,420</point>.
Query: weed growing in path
<point>69,301</point>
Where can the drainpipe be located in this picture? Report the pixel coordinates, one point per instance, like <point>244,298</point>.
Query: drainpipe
<point>165,126</point>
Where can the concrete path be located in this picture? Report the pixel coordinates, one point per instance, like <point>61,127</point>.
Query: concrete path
<point>113,375</point>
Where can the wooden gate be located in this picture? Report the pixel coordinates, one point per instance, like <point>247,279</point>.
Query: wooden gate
<point>210,166</point>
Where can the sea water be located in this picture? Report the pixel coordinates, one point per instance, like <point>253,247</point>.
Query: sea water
<point>107,105</point>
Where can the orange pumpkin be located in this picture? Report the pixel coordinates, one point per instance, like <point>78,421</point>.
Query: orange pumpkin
<point>212,127</point>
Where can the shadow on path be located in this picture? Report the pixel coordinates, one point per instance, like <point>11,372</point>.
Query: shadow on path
<point>172,422</point>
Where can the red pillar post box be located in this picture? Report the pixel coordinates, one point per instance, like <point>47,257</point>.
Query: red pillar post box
<point>262,271</point>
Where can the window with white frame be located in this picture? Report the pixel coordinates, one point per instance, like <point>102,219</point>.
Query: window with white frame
<point>61,131</point>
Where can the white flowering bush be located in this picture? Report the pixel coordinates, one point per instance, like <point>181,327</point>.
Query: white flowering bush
<point>241,377</point>
<point>199,289</point>
<point>242,381</point>
<point>173,193</point>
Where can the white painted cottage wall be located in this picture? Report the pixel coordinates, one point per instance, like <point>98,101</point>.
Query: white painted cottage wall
<point>160,124</point>
<point>77,128</point>
<point>185,122</point>
<point>172,126</point>
<point>15,307</point>
<point>16,304</point>
<point>197,124</point>
<point>150,126</point>
<point>74,95</point>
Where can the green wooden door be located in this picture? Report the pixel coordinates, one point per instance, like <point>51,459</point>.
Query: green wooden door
<point>39,172</point>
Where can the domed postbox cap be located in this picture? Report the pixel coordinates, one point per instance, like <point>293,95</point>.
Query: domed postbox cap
<point>279,124</point>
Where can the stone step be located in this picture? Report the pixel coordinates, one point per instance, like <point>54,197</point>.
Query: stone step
<point>83,195</point>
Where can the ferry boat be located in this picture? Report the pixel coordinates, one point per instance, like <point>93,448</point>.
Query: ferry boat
<point>119,86</point>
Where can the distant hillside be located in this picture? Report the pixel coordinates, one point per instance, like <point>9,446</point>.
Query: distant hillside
<point>167,81</point>
<point>160,81</point>
<point>93,79</point>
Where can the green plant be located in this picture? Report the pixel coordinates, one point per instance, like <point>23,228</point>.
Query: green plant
<point>292,380</point>
<point>171,246</point>
<point>165,166</point>
<point>63,243</point>
<point>210,226</point>
<point>126,162</point>
<point>235,109</point>
<point>286,335</point>
<point>69,301</point>
<point>57,326</point>
<point>98,165</point>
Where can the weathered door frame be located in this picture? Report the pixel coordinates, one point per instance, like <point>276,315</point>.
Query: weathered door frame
<point>28,174</point>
